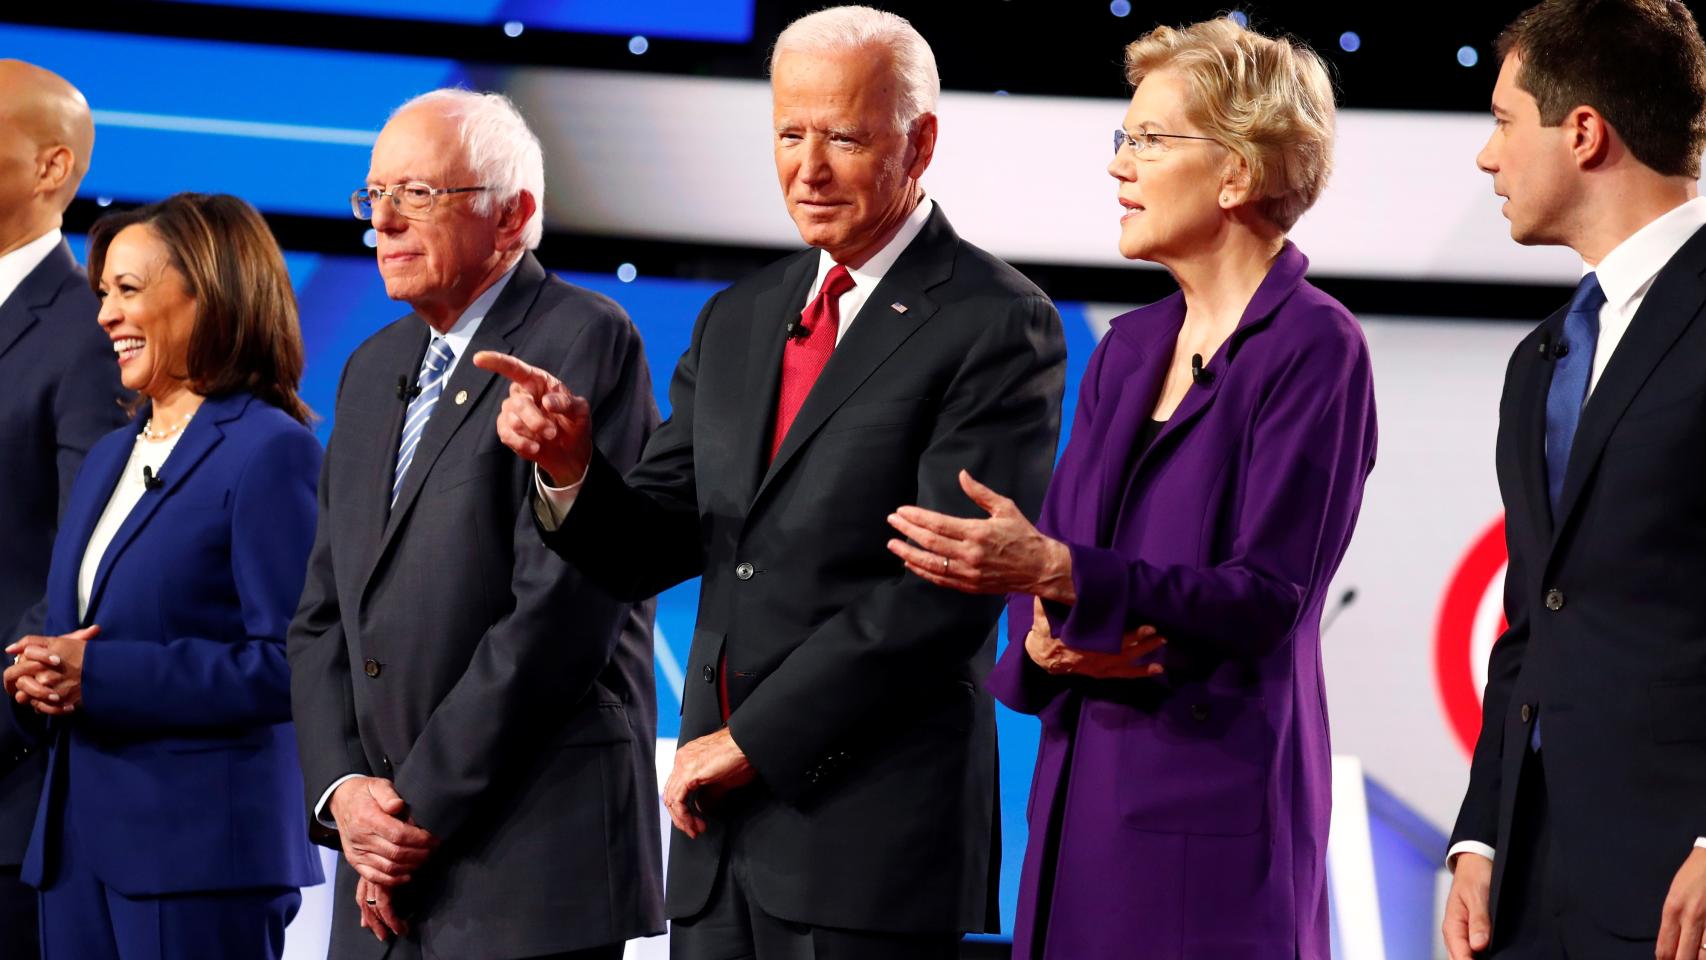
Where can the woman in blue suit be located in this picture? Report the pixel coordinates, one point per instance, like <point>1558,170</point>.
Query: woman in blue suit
<point>172,823</point>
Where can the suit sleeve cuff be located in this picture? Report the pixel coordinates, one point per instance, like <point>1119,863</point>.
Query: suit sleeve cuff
<point>552,504</point>
<point>321,814</point>
<point>1468,846</point>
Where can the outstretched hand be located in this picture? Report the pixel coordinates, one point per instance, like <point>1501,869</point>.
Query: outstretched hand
<point>542,420</point>
<point>1004,553</point>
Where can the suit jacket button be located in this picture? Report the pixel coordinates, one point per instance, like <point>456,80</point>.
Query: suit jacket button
<point>1199,711</point>
<point>743,571</point>
<point>1527,713</point>
<point>385,762</point>
<point>1554,599</point>
<point>710,674</point>
<point>371,668</point>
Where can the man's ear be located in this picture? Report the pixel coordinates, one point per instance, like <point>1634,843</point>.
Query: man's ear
<point>922,144</point>
<point>1591,137</point>
<point>512,224</point>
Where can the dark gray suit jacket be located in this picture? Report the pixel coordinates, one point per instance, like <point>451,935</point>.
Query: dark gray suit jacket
<point>855,686</point>
<point>439,644</point>
<point>59,393</point>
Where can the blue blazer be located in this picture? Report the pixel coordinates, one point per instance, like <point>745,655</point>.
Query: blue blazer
<point>61,394</point>
<point>179,769</point>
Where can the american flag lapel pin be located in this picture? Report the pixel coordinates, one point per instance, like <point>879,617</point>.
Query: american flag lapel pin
<point>898,307</point>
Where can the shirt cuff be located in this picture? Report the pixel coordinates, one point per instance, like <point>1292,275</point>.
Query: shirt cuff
<point>551,504</point>
<point>1700,842</point>
<point>1466,846</point>
<point>321,814</point>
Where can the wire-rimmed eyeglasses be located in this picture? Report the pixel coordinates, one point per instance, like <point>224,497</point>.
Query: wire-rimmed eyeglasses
<point>413,199</point>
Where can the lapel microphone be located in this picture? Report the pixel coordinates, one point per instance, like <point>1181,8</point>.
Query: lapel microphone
<point>406,390</point>
<point>149,480</point>
<point>797,330</point>
<point>1199,376</point>
<point>1553,351</point>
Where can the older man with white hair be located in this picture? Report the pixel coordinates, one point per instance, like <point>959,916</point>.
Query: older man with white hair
<point>476,720</point>
<point>834,793</point>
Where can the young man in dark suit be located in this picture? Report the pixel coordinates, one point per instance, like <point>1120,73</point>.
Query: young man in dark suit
<point>476,719</point>
<point>1582,831</point>
<point>834,793</point>
<point>61,393</point>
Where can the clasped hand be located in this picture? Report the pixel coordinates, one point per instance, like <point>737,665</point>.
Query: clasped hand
<point>1048,652</point>
<point>382,844</point>
<point>48,673</point>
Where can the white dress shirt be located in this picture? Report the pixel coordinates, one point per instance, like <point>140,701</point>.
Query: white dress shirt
<point>126,495</point>
<point>461,334</point>
<point>551,504</point>
<point>1625,275</point>
<point>18,264</point>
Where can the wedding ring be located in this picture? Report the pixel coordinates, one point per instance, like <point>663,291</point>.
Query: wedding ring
<point>944,564</point>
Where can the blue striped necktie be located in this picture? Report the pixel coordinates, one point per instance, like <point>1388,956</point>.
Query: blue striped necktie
<point>430,384</point>
<point>1571,374</point>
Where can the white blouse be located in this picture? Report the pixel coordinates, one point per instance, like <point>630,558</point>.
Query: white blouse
<point>127,493</point>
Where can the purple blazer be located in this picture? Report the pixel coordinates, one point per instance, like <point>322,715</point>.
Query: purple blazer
<point>1185,817</point>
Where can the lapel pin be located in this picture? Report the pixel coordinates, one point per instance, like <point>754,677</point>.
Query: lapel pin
<point>461,397</point>
<point>898,307</point>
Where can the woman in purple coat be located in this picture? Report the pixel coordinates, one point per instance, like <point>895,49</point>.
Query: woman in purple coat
<point>1180,802</point>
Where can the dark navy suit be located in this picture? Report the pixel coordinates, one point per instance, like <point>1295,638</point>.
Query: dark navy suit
<point>174,791</point>
<point>60,394</point>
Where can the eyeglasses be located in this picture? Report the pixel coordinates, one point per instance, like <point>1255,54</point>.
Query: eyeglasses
<point>1153,144</point>
<point>413,199</point>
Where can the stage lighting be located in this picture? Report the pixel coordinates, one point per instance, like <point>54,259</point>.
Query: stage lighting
<point>1120,8</point>
<point>1350,42</point>
<point>103,201</point>
<point>638,45</point>
<point>1467,56</point>
<point>1241,18</point>
<point>627,272</point>
<point>370,238</point>
<point>513,28</point>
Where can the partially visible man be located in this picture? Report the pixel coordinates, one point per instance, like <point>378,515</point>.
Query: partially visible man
<point>59,393</point>
<point>476,719</point>
<point>834,792</point>
<point>1582,831</point>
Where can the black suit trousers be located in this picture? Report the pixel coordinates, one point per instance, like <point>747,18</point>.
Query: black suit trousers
<point>1535,922</point>
<point>17,918</point>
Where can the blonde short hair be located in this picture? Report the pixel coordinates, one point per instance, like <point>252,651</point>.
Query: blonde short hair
<point>1267,100</point>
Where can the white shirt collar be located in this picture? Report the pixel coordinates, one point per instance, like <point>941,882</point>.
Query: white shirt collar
<point>868,276</point>
<point>20,263</point>
<point>1630,268</point>
<point>461,333</point>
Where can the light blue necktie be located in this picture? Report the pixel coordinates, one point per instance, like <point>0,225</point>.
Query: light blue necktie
<point>1571,373</point>
<point>430,384</point>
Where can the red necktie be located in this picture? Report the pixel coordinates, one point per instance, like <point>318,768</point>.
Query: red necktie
<point>803,358</point>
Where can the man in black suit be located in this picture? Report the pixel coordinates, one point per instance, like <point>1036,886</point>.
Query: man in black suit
<point>1582,831</point>
<point>834,791</point>
<point>476,720</point>
<point>60,394</point>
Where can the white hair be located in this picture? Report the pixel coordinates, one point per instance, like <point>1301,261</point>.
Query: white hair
<point>844,29</point>
<point>500,149</point>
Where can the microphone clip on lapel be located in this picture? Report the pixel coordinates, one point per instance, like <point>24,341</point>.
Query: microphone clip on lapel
<point>407,390</point>
<point>150,480</point>
<point>1199,376</point>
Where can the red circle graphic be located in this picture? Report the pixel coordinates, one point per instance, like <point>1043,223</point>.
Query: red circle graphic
<point>1454,640</point>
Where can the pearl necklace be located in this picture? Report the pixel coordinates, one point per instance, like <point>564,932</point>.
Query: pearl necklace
<point>148,428</point>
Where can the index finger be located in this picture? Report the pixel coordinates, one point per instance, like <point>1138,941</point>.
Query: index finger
<point>403,834</point>
<point>514,370</point>
<point>959,528</point>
